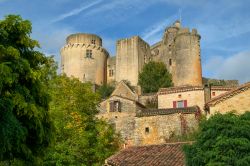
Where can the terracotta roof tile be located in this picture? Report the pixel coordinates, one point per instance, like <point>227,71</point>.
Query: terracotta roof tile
<point>170,154</point>
<point>179,89</point>
<point>222,88</point>
<point>166,111</point>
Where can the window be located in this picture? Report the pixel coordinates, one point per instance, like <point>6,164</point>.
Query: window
<point>213,93</point>
<point>180,104</point>
<point>88,53</point>
<point>179,96</point>
<point>147,130</point>
<point>111,73</point>
<point>170,62</point>
<point>115,106</point>
<point>92,41</point>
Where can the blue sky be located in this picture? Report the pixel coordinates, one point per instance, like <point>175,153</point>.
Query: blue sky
<point>224,26</point>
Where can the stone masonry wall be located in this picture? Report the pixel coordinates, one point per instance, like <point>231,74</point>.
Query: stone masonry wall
<point>161,127</point>
<point>131,55</point>
<point>239,102</point>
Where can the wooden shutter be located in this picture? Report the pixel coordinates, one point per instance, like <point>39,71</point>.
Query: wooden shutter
<point>111,108</point>
<point>174,104</point>
<point>185,103</point>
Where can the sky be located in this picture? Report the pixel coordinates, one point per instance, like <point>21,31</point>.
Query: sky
<point>224,26</point>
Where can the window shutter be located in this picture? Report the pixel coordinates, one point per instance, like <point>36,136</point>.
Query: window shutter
<point>111,104</point>
<point>174,104</point>
<point>185,103</point>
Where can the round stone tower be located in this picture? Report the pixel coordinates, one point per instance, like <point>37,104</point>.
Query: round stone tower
<point>188,60</point>
<point>84,57</point>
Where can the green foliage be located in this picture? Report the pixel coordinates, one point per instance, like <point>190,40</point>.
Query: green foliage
<point>222,140</point>
<point>154,75</point>
<point>25,126</point>
<point>105,90</point>
<point>81,139</point>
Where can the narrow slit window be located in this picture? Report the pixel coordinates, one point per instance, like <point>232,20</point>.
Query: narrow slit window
<point>147,130</point>
<point>170,62</point>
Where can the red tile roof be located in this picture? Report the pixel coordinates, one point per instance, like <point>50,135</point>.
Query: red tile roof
<point>178,89</point>
<point>170,154</point>
<point>166,111</point>
<point>222,88</point>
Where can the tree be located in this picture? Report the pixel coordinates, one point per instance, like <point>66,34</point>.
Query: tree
<point>25,125</point>
<point>154,75</point>
<point>105,90</point>
<point>81,138</point>
<point>221,140</point>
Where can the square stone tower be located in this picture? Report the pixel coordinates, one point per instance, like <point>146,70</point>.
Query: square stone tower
<point>131,55</point>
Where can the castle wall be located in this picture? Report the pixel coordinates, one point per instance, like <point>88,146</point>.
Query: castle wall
<point>145,98</point>
<point>75,61</point>
<point>111,69</point>
<point>131,55</point>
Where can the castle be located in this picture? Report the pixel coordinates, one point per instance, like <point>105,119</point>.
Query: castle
<point>84,57</point>
<point>178,109</point>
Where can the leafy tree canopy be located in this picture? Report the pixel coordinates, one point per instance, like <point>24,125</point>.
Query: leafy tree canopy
<point>154,75</point>
<point>105,90</point>
<point>25,126</point>
<point>81,139</point>
<point>222,140</point>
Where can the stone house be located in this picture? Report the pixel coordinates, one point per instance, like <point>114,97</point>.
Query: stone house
<point>139,125</point>
<point>188,96</point>
<point>237,100</point>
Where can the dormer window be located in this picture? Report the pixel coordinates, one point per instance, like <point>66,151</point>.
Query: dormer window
<point>88,53</point>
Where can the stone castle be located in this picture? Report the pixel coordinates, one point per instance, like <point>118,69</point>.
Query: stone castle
<point>178,109</point>
<point>84,57</point>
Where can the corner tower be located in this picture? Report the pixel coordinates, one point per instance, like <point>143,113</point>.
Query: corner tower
<point>84,57</point>
<point>179,50</point>
<point>188,60</point>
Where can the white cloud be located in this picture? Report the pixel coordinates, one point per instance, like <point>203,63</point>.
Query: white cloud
<point>76,11</point>
<point>234,67</point>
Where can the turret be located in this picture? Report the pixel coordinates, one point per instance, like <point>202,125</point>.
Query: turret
<point>188,60</point>
<point>84,57</point>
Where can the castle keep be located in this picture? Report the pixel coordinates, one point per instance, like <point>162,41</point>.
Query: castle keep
<point>84,57</point>
<point>177,110</point>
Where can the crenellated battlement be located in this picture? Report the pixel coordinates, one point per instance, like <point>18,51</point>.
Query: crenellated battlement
<point>187,31</point>
<point>86,46</point>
